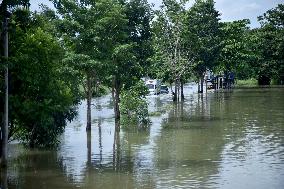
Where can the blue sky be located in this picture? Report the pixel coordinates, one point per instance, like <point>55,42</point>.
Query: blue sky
<point>230,9</point>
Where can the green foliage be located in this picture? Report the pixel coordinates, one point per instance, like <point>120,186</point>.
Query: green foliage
<point>270,45</point>
<point>12,4</point>
<point>265,55</point>
<point>170,61</point>
<point>100,90</point>
<point>185,40</point>
<point>102,31</point>
<point>91,31</point>
<point>133,105</point>
<point>203,35</point>
<point>139,15</point>
<point>41,98</point>
<point>234,50</point>
<point>130,47</point>
<point>246,83</point>
<point>111,36</point>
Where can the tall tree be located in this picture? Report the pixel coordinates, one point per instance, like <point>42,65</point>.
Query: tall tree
<point>140,15</point>
<point>203,36</point>
<point>169,42</point>
<point>133,64</point>
<point>100,31</point>
<point>130,46</point>
<point>83,26</point>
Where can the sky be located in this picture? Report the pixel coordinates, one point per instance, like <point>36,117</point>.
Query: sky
<point>230,9</point>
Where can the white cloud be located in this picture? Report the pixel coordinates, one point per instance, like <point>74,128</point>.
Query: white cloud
<point>244,9</point>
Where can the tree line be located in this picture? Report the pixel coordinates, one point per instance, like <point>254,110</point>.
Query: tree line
<point>59,57</point>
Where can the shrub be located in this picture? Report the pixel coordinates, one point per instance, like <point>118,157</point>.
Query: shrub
<point>133,105</point>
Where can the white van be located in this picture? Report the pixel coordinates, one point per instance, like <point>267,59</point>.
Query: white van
<point>154,86</point>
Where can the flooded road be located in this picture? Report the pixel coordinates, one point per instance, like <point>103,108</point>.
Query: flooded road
<point>231,139</point>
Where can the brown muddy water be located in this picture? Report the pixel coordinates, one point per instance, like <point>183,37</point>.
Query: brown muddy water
<point>230,139</point>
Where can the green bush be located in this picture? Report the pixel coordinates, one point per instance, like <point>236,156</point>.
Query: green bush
<point>133,105</point>
<point>41,98</point>
<point>246,83</point>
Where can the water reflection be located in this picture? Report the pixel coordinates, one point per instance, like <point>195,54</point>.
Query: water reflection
<point>116,148</point>
<point>89,148</point>
<point>37,169</point>
<point>213,140</point>
<point>190,146</point>
<point>100,140</point>
<point>4,178</point>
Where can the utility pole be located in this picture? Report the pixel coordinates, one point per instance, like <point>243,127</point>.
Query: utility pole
<point>6,122</point>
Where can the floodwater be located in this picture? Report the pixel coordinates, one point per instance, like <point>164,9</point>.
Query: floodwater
<point>230,139</point>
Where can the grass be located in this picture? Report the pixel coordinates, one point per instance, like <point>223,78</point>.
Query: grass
<point>246,83</point>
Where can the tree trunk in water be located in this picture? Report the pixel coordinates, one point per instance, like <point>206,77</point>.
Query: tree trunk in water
<point>178,89</point>
<point>116,102</point>
<point>175,93</point>
<point>116,149</point>
<point>4,126</point>
<point>200,89</point>
<point>112,93</point>
<point>201,86</point>
<point>181,90</point>
<point>89,101</point>
<point>89,148</point>
<point>206,85</point>
<point>100,140</point>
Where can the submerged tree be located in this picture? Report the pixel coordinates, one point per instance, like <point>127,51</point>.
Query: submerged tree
<point>130,47</point>
<point>110,35</point>
<point>171,60</point>
<point>41,100</point>
<point>134,107</point>
<point>139,31</point>
<point>203,37</point>
<point>83,28</point>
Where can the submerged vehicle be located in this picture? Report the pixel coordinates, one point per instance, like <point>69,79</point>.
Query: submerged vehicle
<point>154,86</point>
